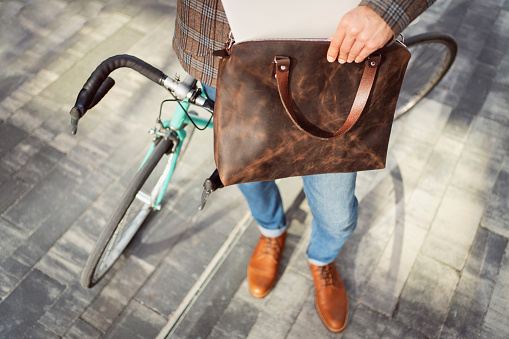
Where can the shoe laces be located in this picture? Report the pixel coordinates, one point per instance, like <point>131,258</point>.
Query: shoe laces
<point>326,276</point>
<point>270,246</point>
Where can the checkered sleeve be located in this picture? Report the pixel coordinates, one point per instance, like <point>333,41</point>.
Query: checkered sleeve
<point>200,28</point>
<point>398,13</point>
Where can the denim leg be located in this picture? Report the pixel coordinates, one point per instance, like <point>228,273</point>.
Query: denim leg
<point>331,198</point>
<point>210,91</point>
<point>266,206</point>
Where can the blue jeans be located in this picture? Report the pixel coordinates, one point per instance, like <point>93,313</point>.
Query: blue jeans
<point>331,199</point>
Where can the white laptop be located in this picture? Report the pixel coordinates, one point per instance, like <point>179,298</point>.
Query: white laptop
<point>285,19</point>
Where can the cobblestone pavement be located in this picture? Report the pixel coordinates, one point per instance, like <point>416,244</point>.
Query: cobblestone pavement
<point>429,257</point>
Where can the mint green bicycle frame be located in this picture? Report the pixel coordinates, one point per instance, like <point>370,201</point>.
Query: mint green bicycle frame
<point>177,123</point>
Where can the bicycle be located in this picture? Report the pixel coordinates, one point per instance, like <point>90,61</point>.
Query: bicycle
<point>432,56</point>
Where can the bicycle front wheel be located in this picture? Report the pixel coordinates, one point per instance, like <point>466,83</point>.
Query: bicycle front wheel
<point>134,207</point>
<point>432,56</point>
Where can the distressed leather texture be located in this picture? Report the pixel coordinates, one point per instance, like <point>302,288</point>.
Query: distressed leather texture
<point>256,140</point>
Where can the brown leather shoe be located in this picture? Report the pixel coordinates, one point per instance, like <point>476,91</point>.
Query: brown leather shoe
<point>263,266</point>
<point>331,300</point>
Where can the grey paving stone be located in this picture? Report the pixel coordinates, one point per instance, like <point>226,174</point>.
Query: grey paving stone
<point>129,150</point>
<point>454,228</point>
<point>451,87</point>
<point>397,330</point>
<point>26,304</point>
<point>117,43</point>
<point>399,183</point>
<point>497,100</point>
<point>166,289</point>
<point>459,123</point>
<point>223,210</point>
<point>358,258</point>
<point>243,294</point>
<point>11,136</point>
<point>365,323</point>
<point>425,200</point>
<point>481,17</point>
<point>493,57</point>
<point>496,217</point>
<point>284,306</point>
<point>308,323</point>
<point>10,82</point>
<point>11,238</point>
<point>385,286</point>
<point>406,160</point>
<point>477,172</point>
<point>41,332</point>
<point>18,156</point>
<point>215,298</point>
<point>477,88</point>
<point>11,271</point>
<point>11,190</point>
<point>180,269</point>
<point>299,261</point>
<point>497,39</point>
<point>503,72</point>
<point>83,330</point>
<point>67,257</point>
<point>39,165</point>
<point>426,297</point>
<point>495,324</point>
<point>426,121</point>
<point>14,102</point>
<point>32,114</point>
<point>137,321</point>
<point>236,321</point>
<point>157,237</point>
<point>51,229</point>
<point>473,294</point>
<point>467,33</point>
<point>65,310</point>
<point>501,26</point>
<point>111,301</point>
<point>61,186</point>
<point>273,327</point>
<point>447,23</point>
<point>487,137</point>
<point>149,15</point>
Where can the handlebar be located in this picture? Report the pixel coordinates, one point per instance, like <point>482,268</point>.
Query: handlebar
<point>99,83</point>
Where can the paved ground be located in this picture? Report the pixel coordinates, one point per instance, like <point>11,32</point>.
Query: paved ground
<point>429,258</point>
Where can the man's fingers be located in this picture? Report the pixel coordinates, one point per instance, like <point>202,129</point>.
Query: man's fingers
<point>345,48</point>
<point>333,51</point>
<point>354,51</point>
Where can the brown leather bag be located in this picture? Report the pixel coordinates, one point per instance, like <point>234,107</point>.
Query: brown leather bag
<point>283,110</point>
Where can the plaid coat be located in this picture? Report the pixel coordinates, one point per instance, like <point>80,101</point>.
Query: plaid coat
<point>201,27</point>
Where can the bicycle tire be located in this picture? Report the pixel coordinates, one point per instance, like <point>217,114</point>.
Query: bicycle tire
<point>115,236</point>
<point>432,56</point>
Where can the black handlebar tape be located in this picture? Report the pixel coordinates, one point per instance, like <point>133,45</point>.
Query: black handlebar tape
<point>89,96</point>
<point>102,91</point>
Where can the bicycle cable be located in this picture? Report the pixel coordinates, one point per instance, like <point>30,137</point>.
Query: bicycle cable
<point>179,101</point>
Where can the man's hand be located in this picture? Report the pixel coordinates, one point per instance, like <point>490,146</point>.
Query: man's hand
<point>360,32</point>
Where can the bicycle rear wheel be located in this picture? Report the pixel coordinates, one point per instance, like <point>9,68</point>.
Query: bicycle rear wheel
<point>432,56</point>
<point>134,207</point>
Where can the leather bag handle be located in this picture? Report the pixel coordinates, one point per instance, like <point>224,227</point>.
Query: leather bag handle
<point>368,77</point>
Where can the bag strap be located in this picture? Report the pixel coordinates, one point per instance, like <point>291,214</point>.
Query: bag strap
<point>368,77</point>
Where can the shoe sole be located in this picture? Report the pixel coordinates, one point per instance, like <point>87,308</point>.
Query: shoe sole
<point>334,330</point>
